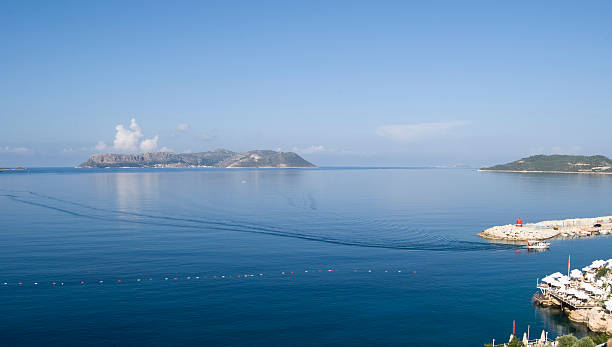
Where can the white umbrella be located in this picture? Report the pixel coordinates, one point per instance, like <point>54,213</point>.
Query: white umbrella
<point>571,291</point>
<point>588,287</point>
<point>543,337</point>
<point>576,273</point>
<point>547,279</point>
<point>564,280</point>
<point>555,283</point>
<point>525,342</point>
<point>581,295</point>
<point>556,275</point>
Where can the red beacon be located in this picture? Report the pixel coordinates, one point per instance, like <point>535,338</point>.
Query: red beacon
<point>519,222</point>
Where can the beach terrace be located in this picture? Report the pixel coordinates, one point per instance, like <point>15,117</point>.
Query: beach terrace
<point>584,294</point>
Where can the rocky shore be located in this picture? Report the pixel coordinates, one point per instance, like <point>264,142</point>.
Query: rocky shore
<point>576,227</point>
<point>584,296</point>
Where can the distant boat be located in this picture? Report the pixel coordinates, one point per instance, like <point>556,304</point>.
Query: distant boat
<point>538,245</point>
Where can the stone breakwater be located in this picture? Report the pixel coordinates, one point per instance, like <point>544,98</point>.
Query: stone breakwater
<point>575,227</point>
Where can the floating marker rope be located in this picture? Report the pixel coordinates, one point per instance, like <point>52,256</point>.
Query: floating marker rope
<point>282,274</point>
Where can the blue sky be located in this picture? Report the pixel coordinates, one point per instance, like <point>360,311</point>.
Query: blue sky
<point>340,82</point>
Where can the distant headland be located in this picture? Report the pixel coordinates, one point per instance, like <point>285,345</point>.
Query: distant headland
<point>11,169</point>
<point>597,164</point>
<point>219,158</point>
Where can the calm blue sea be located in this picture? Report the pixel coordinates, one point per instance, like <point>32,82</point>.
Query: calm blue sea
<point>86,225</point>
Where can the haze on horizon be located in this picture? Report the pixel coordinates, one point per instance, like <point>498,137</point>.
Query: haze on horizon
<point>341,83</point>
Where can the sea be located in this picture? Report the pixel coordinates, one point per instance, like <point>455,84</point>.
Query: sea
<point>282,257</point>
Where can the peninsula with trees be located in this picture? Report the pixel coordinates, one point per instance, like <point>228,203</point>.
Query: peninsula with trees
<point>597,164</point>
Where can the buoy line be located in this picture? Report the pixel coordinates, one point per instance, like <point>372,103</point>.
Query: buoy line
<point>147,279</point>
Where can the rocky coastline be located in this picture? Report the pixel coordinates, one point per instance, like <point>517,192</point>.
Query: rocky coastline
<point>575,227</point>
<point>219,158</point>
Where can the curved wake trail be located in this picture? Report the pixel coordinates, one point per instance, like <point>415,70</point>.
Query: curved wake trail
<point>411,239</point>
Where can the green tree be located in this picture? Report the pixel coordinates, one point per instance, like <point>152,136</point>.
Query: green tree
<point>602,272</point>
<point>600,338</point>
<point>566,341</point>
<point>585,342</point>
<point>515,342</point>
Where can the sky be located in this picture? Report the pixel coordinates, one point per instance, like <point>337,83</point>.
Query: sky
<point>357,83</point>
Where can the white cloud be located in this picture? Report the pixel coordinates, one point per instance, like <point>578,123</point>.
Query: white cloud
<point>100,146</point>
<point>182,127</point>
<point>149,145</point>
<point>165,149</point>
<point>207,136</point>
<point>7,149</point>
<point>410,133</point>
<point>309,150</point>
<point>129,140</point>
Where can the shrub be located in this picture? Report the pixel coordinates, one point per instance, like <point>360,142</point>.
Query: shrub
<point>602,272</point>
<point>585,342</point>
<point>566,341</point>
<point>515,342</point>
<point>600,338</point>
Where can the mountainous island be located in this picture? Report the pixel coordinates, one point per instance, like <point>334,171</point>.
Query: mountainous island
<point>219,158</point>
<point>557,163</point>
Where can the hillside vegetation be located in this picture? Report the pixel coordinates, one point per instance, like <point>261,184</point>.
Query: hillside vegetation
<point>557,163</point>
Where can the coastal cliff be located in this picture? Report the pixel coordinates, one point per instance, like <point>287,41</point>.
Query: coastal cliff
<point>220,158</point>
<point>557,163</point>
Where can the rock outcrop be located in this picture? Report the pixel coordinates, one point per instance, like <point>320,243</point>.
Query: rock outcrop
<point>575,227</point>
<point>220,158</point>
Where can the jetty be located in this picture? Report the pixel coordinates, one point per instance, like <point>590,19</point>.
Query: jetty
<point>584,294</point>
<point>565,228</point>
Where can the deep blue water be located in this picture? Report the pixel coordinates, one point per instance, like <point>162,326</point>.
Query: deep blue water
<point>69,225</point>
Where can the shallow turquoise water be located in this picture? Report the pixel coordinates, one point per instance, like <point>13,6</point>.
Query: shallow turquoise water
<point>71,226</point>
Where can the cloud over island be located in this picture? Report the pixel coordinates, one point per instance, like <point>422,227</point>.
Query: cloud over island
<point>130,139</point>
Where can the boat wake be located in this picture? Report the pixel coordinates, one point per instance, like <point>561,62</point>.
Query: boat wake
<point>379,234</point>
